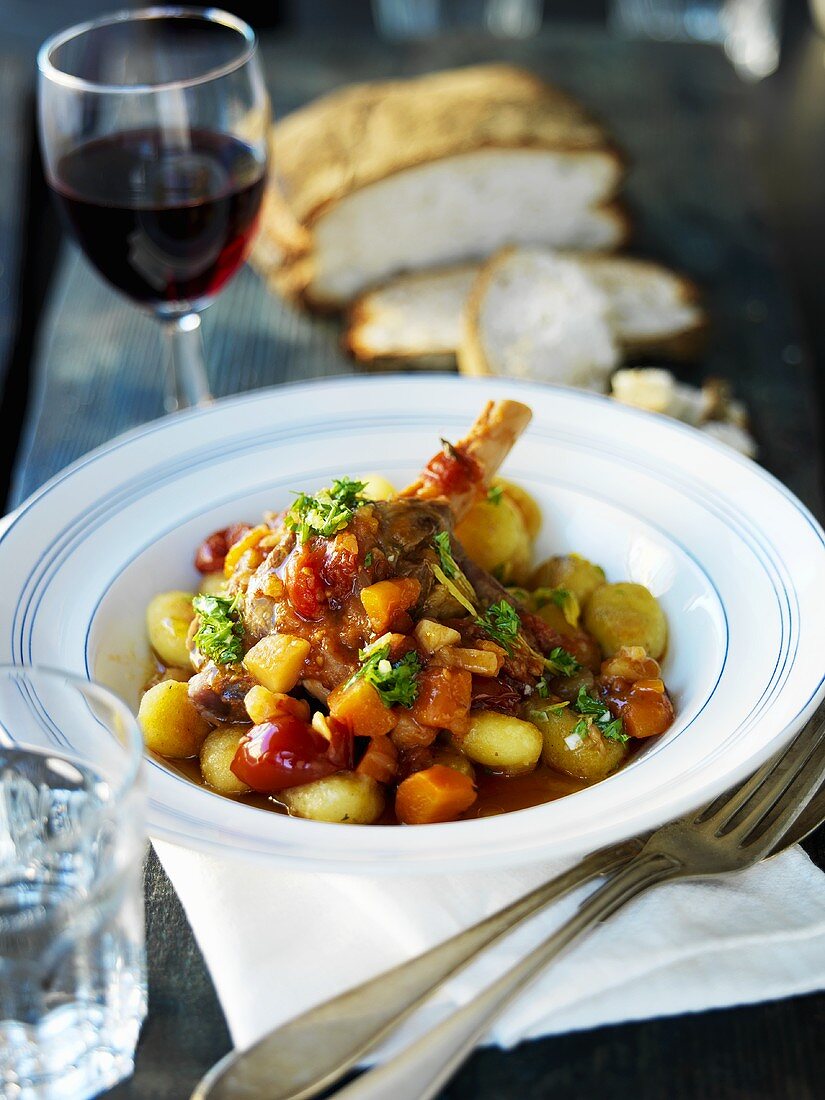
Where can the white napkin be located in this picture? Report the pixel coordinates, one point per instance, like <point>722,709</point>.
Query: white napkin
<point>278,942</point>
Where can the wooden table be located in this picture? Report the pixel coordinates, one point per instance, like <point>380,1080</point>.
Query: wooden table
<point>692,133</point>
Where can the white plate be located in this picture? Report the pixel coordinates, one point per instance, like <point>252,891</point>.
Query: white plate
<point>737,562</point>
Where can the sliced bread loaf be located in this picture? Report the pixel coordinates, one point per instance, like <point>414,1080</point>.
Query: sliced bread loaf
<point>418,316</point>
<point>534,314</point>
<point>402,175</point>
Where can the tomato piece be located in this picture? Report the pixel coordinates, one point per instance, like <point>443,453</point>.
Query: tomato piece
<point>339,568</point>
<point>453,472</point>
<point>304,585</point>
<point>285,752</point>
<point>210,555</point>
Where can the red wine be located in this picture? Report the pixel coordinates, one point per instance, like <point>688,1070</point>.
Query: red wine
<point>168,227</point>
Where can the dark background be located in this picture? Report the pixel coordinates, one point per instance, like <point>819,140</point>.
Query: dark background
<point>758,1053</point>
<point>790,106</point>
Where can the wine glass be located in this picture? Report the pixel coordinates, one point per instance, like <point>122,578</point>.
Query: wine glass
<point>154,126</point>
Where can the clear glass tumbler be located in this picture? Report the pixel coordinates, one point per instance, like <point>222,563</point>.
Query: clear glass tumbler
<point>72,840</point>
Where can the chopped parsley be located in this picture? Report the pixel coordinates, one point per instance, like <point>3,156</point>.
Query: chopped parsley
<point>542,688</point>
<point>220,632</point>
<point>441,541</point>
<point>395,683</point>
<point>596,711</point>
<point>495,493</point>
<point>328,512</point>
<point>368,559</point>
<point>501,622</point>
<point>561,662</point>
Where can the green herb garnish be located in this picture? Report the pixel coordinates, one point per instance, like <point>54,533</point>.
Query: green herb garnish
<point>562,662</point>
<point>368,559</point>
<point>598,712</point>
<point>495,493</point>
<point>501,622</point>
<point>220,631</point>
<point>542,688</point>
<point>441,541</point>
<point>395,683</point>
<point>328,512</point>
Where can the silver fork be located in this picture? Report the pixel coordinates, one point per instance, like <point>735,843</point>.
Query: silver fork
<point>311,1052</point>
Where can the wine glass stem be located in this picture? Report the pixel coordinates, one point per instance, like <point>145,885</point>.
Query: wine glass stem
<point>187,384</point>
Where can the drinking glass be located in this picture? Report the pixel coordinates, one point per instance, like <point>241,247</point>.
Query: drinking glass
<point>72,969</point>
<point>154,130</point>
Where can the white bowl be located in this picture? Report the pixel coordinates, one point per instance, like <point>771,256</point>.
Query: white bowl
<point>736,560</point>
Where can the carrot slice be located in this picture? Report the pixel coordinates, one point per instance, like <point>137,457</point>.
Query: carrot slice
<point>385,600</point>
<point>380,761</point>
<point>361,709</point>
<point>435,794</point>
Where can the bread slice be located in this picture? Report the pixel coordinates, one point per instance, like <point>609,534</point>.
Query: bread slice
<point>537,315</point>
<point>653,310</point>
<point>418,317</point>
<point>412,317</point>
<point>400,175</point>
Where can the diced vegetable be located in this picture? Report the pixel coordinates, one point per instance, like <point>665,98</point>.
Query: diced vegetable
<point>380,761</point>
<point>644,706</point>
<point>216,756</point>
<point>359,706</point>
<point>502,742</point>
<point>432,636</point>
<point>346,798</point>
<point>626,614</point>
<point>277,660</point>
<point>482,662</point>
<point>444,697</point>
<point>262,705</point>
<point>386,599</point>
<point>436,794</point>
<point>168,618</point>
<point>245,542</point>
<point>171,724</point>
<point>630,663</point>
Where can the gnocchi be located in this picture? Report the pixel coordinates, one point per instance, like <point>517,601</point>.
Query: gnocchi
<point>216,756</point>
<point>170,723</point>
<point>344,797</point>
<point>168,618</point>
<point>571,572</point>
<point>626,614</point>
<point>589,756</point>
<point>502,742</point>
<point>496,539</point>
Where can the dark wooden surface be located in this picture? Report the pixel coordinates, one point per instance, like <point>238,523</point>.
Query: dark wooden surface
<point>701,145</point>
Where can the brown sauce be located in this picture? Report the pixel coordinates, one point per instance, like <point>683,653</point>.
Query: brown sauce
<point>497,794</point>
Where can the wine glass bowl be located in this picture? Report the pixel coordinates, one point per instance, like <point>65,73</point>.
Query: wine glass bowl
<point>154,129</point>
